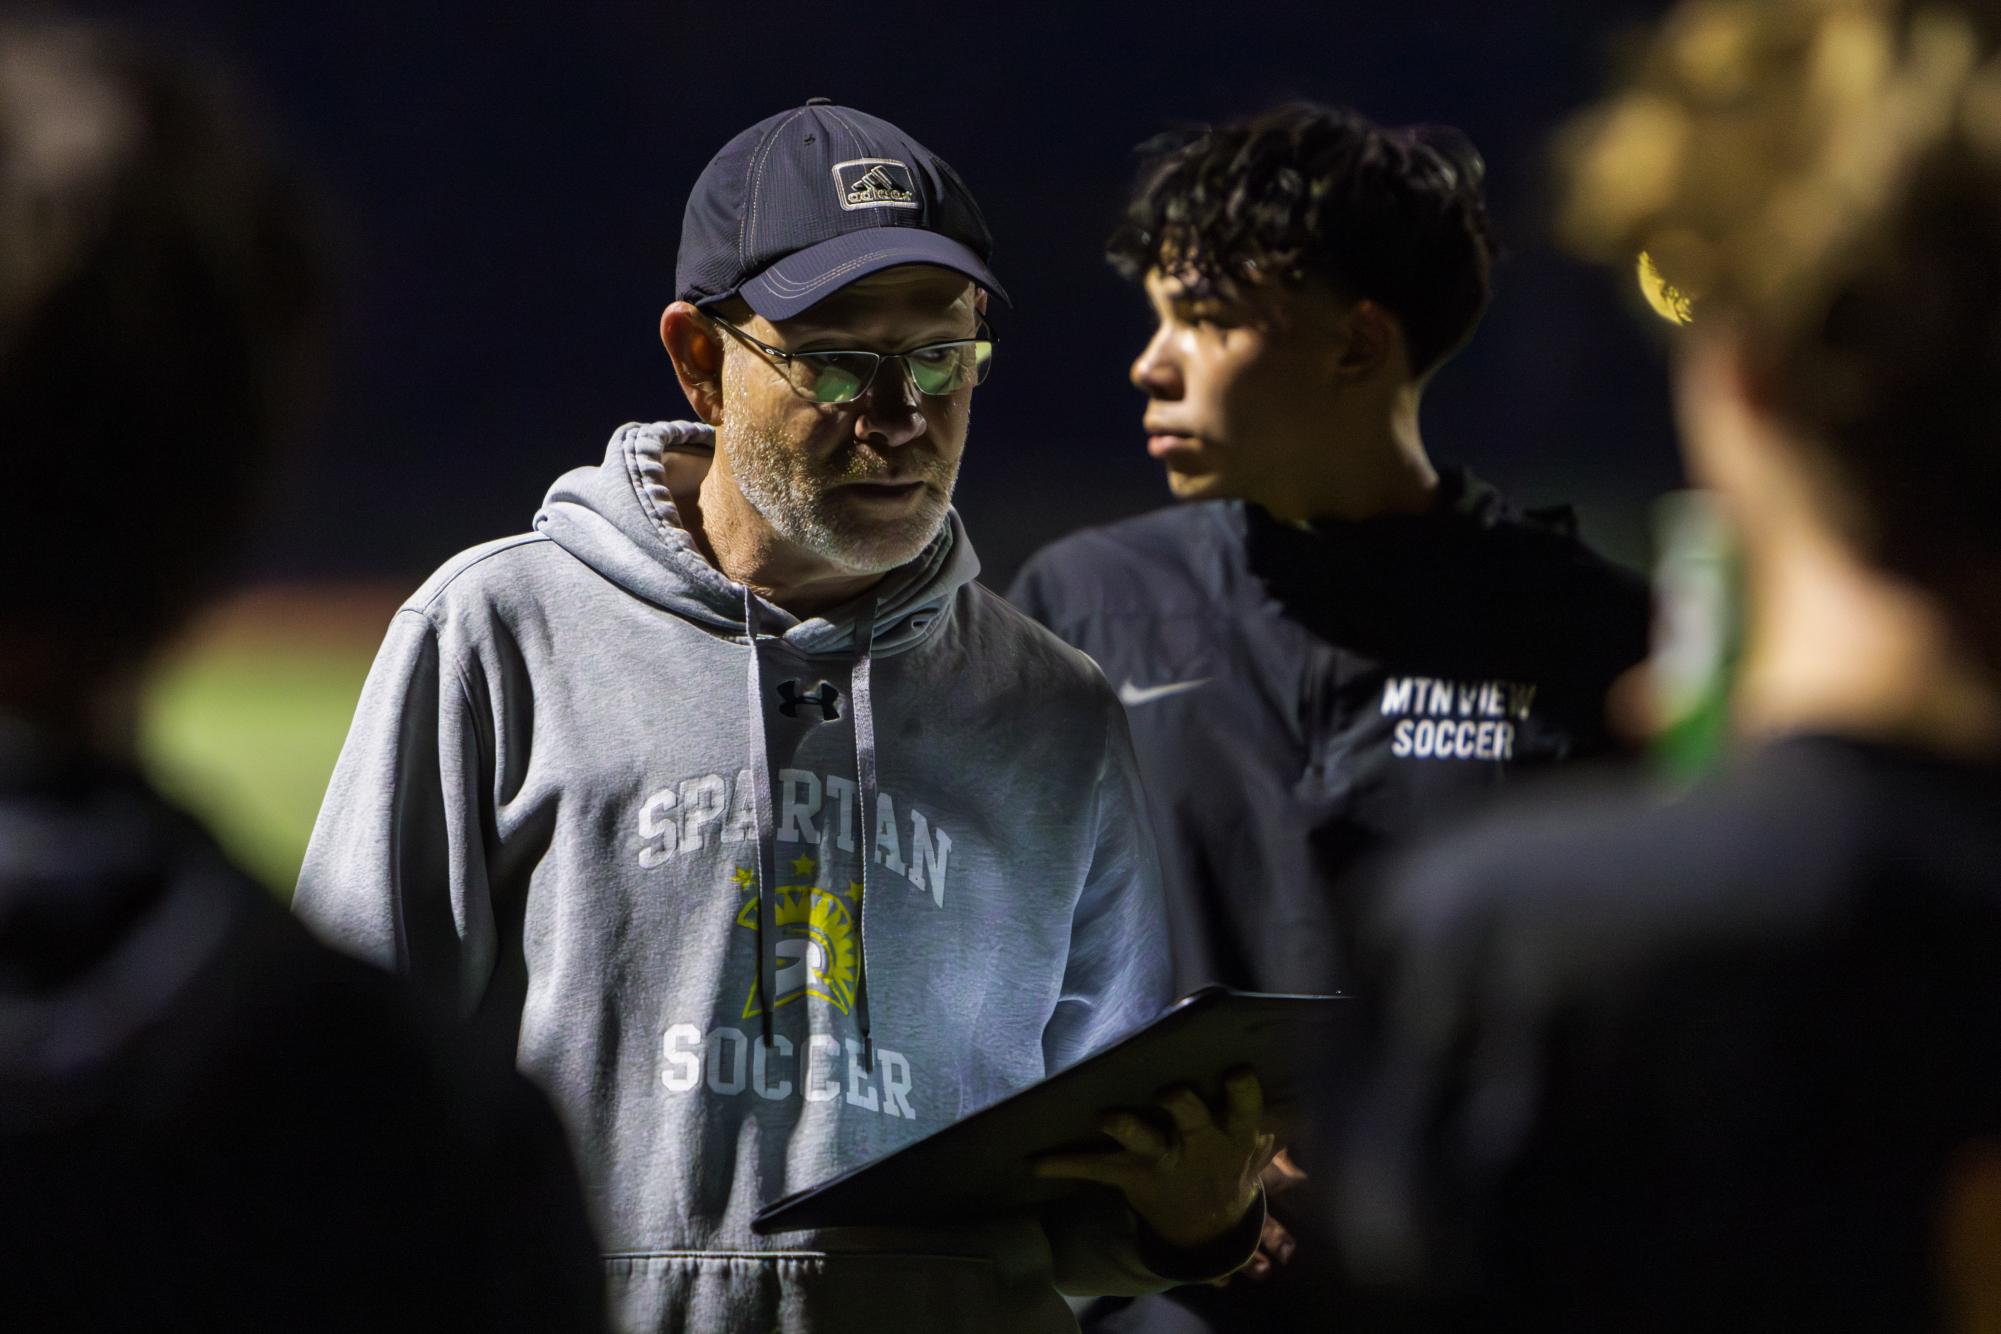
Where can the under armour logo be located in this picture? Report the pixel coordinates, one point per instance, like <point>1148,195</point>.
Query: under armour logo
<point>824,695</point>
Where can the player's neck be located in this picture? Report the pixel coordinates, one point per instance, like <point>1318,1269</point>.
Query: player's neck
<point>1835,646</point>
<point>1374,468</point>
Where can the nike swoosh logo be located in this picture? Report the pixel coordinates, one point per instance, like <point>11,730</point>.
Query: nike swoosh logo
<point>1131,695</point>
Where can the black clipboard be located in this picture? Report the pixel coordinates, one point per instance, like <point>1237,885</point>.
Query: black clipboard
<point>978,1165</point>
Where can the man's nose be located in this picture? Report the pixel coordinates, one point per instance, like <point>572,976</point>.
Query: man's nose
<point>892,411</point>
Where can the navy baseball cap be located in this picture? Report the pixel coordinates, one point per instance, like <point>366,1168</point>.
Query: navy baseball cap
<point>807,201</point>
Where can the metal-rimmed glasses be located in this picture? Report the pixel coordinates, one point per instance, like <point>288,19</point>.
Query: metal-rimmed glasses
<point>842,376</point>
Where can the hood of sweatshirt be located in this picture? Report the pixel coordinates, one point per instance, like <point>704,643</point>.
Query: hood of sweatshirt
<point>619,519</point>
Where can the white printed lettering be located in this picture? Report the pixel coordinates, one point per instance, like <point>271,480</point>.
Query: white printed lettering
<point>732,1081</point>
<point>842,828</point>
<point>927,858</point>
<point>821,1084</point>
<point>653,826</point>
<point>730,1062</point>
<point>813,809</point>
<point>702,801</point>
<point>888,847</point>
<point>678,1047</point>
<point>895,1084</point>
<point>758,1051</point>
<point>798,805</point>
<point>858,1078</point>
<point>1464,720</point>
<point>742,826</point>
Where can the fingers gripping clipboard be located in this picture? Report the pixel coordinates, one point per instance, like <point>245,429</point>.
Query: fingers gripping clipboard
<point>978,1165</point>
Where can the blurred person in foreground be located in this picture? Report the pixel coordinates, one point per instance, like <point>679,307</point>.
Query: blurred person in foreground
<point>772,840</point>
<point>207,1121</point>
<point>1731,1058</point>
<point>1331,646</point>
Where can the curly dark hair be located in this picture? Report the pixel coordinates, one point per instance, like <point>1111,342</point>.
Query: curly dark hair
<point>1303,192</point>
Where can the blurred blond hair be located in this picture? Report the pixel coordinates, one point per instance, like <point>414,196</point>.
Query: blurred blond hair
<point>1821,179</point>
<point>1762,139</point>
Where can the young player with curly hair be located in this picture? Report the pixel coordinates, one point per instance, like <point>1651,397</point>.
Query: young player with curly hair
<point>1332,645</point>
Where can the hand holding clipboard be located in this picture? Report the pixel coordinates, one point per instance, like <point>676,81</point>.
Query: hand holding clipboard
<point>1191,1179</point>
<point>983,1164</point>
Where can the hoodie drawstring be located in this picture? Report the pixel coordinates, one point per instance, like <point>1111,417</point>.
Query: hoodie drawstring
<point>864,709</point>
<point>767,829</point>
<point>863,700</point>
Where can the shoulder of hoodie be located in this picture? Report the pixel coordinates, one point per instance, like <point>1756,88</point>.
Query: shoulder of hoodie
<point>477,571</point>
<point>503,578</point>
<point>1171,561</point>
<point>480,600</point>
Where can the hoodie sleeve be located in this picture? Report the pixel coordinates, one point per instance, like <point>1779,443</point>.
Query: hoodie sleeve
<point>1117,978</point>
<point>396,870</point>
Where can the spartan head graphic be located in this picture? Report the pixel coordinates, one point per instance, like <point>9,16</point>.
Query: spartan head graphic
<point>816,945</point>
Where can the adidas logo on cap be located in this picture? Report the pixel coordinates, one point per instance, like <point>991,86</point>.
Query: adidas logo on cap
<point>874,183</point>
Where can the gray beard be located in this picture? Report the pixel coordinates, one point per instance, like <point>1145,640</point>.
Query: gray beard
<point>794,497</point>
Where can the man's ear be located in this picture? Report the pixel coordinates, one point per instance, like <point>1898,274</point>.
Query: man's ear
<point>1374,338</point>
<point>696,350</point>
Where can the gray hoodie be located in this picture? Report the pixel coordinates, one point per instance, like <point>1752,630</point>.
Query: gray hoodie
<point>577,795</point>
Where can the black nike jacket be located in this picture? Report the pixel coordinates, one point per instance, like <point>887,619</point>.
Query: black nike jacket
<point>1303,696</point>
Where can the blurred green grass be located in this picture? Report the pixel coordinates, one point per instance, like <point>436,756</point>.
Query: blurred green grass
<point>242,726</point>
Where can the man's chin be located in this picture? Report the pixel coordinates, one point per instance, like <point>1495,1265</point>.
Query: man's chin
<point>880,548</point>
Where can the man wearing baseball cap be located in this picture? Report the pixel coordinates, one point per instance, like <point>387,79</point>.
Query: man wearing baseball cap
<point>771,840</point>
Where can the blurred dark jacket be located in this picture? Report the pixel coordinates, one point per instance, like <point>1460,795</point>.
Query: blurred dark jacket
<point>1728,1061</point>
<point>209,1122</point>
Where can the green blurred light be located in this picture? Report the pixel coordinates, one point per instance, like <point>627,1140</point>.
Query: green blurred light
<point>245,739</point>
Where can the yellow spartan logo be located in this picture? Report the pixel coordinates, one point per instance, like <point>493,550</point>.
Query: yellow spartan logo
<point>815,946</point>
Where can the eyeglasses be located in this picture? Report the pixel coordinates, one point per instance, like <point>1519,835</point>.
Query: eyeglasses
<point>936,369</point>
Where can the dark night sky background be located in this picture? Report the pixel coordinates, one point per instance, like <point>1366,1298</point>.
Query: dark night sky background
<point>506,182</point>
